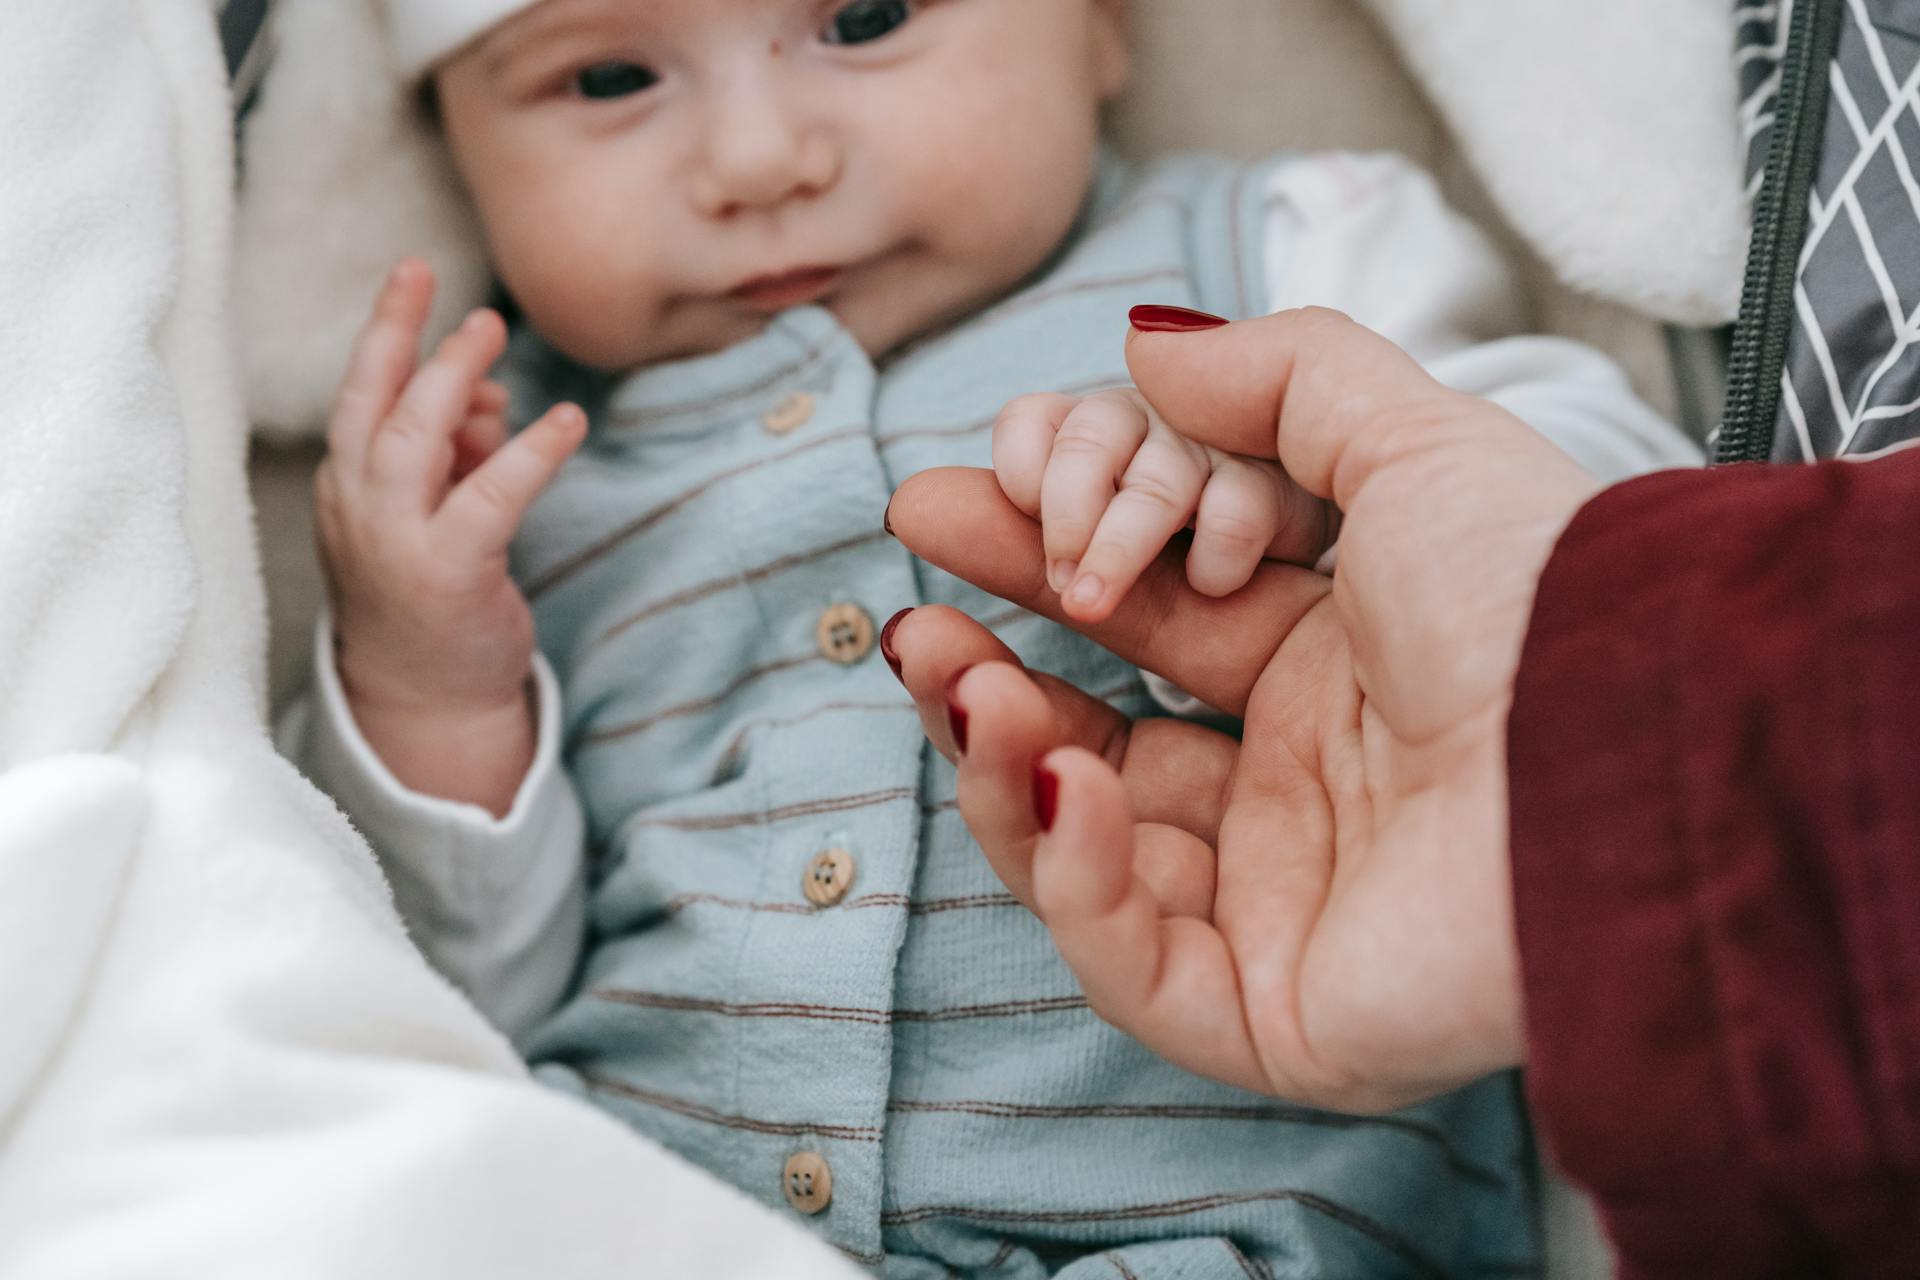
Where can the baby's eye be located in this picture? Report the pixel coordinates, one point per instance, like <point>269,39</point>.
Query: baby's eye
<point>866,20</point>
<point>614,80</point>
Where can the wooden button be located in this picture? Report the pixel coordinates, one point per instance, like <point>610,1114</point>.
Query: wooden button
<point>828,877</point>
<point>793,411</point>
<point>808,1182</point>
<point>845,633</point>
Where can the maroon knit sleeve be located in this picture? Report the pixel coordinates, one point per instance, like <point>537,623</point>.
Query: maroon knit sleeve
<point>1715,761</point>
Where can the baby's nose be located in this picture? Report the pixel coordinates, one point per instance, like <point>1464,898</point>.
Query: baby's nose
<point>760,154</point>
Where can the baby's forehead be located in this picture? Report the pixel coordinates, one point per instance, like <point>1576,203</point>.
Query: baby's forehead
<point>547,16</point>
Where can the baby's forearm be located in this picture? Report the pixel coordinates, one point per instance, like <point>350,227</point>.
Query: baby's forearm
<point>478,756</point>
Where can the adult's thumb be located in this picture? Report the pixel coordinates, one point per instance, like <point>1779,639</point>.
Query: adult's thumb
<point>1303,386</point>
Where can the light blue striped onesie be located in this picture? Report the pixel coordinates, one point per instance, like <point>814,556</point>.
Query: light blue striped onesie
<point>706,575</point>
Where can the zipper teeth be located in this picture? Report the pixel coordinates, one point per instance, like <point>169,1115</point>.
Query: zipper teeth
<point>1759,350</point>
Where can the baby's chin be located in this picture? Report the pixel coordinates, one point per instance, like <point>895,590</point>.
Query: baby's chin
<point>882,321</point>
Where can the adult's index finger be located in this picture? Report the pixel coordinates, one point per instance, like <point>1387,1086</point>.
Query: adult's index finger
<point>957,519</point>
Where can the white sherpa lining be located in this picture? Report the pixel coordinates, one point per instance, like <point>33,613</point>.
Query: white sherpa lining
<point>1606,132</point>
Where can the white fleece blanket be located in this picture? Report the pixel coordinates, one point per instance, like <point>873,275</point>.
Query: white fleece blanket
<point>1606,130</point>
<point>221,1057</point>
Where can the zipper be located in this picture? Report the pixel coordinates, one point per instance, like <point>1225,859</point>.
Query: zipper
<point>1759,350</point>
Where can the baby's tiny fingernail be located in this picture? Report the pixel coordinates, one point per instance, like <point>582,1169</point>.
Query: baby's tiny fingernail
<point>1059,575</point>
<point>1087,590</point>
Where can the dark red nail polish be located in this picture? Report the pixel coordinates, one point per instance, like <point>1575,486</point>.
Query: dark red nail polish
<point>886,642</point>
<point>886,520</point>
<point>1163,319</point>
<point>1046,795</point>
<point>957,714</point>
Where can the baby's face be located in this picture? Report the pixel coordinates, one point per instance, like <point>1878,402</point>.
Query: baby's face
<point>658,177</point>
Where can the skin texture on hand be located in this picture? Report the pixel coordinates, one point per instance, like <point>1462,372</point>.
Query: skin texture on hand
<point>1111,484</point>
<point>1322,910</point>
<point>414,506</point>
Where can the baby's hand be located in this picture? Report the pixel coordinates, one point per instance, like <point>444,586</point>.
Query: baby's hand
<point>415,503</point>
<point>1111,484</point>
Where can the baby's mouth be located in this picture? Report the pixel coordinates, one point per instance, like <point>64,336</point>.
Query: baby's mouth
<point>788,289</point>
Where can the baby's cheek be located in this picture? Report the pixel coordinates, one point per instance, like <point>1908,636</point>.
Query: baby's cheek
<point>584,287</point>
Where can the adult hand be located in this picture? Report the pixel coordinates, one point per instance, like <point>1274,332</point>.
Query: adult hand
<point>1322,909</point>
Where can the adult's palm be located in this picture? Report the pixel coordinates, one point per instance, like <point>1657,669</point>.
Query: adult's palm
<point>1320,909</point>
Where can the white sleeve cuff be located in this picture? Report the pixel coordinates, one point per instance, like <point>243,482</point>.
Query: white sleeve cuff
<point>497,904</point>
<point>1370,235</point>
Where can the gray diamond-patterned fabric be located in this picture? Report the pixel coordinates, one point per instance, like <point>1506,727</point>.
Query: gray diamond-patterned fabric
<point>1851,386</point>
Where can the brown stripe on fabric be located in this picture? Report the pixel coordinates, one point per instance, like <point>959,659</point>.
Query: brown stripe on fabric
<point>612,732</point>
<point>977,902</point>
<point>700,591</point>
<point>887,440</point>
<point>791,370</point>
<point>833,1012</point>
<point>707,1115</point>
<point>932,906</point>
<point>688,1004</point>
<point>787,722</point>
<point>1004,1009</point>
<point>1248,1267</point>
<point>784,813</point>
<point>999,1259</point>
<point>1007,617</point>
<point>1041,297</point>
<point>1380,1234</point>
<point>682,901</point>
<point>547,580</point>
<point>1126,1272</point>
<point>1274,1114</point>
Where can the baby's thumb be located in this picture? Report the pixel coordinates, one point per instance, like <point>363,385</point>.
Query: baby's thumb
<point>1300,386</point>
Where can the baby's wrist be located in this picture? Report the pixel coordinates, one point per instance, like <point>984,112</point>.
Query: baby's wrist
<point>410,685</point>
<point>430,718</point>
<point>478,754</point>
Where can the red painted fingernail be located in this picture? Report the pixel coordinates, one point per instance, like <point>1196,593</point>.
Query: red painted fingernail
<point>886,642</point>
<point>1162,319</point>
<point>886,521</point>
<point>957,714</point>
<point>1046,795</point>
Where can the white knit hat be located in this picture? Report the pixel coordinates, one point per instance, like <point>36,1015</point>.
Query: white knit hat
<point>342,175</point>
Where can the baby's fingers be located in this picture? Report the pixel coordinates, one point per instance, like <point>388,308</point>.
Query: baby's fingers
<point>411,453</point>
<point>383,359</point>
<point>485,431</point>
<point>1239,515</point>
<point>1091,451</point>
<point>1158,495</point>
<point>1023,441</point>
<point>484,510</point>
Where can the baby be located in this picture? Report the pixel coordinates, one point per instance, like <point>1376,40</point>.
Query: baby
<point>693,853</point>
